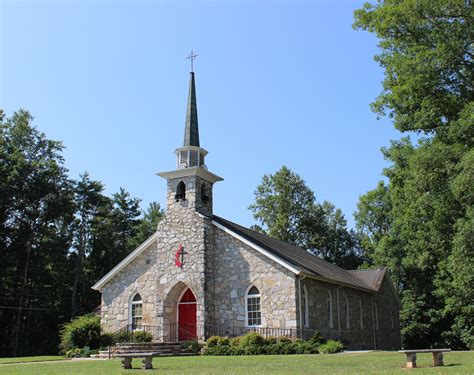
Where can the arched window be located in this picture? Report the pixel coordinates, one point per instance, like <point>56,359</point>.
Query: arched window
<point>304,307</point>
<point>254,312</point>
<point>361,314</point>
<point>180,192</point>
<point>330,319</point>
<point>136,312</point>
<point>204,194</point>
<point>347,312</point>
<point>376,313</point>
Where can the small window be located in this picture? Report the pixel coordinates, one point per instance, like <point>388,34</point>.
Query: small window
<point>392,323</point>
<point>180,192</point>
<point>361,314</point>
<point>254,312</point>
<point>330,318</point>
<point>347,311</point>
<point>304,307</point>
<point>136,312</point>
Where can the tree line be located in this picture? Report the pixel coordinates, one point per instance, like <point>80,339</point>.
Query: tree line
<point>58,236</point>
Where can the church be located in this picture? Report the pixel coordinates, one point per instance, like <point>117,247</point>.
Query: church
<point>200,275</point>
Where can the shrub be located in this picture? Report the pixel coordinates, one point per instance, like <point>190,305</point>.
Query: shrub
<point>212,341</point>
<point>106,340</point>
<point>193,346</point>
<point>80,332</point>
<point>141,336</point>
<point>216,345</point>
<point>330,347</point>
<point>253,343</point>
<point>317,338</point>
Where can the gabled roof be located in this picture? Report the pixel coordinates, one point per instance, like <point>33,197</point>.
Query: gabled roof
<point>114,271</point>
<point>373,277</point>
<point>294,258</point>
<point>304,262</point>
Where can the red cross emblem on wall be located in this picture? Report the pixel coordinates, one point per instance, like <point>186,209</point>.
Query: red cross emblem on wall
<point>179,256</point>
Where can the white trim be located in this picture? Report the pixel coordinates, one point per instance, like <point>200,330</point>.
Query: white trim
<point>258,248</point>
<point>259,295</point>
<point>192,171</point>
<point>130,306</point>
<point>98,286</point>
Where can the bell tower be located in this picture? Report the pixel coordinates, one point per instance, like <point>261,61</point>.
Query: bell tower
<point>190,185</point>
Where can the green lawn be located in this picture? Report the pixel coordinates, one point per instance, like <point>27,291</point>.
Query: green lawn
<point>368,363</point>
<point>31,359</point>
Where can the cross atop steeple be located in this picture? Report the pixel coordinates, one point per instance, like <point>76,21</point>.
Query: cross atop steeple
<point>192,56</point>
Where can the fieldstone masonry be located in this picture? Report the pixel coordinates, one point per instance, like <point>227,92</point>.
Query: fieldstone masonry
<point>220,268</point>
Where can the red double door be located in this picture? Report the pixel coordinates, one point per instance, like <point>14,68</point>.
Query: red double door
<point>187,328</point>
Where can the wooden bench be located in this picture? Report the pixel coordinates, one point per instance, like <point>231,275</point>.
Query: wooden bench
<point>437,356</point>
<point>146,363</point>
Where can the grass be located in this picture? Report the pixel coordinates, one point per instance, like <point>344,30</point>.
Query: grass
<point>31,359</point>
<point>363,363</point>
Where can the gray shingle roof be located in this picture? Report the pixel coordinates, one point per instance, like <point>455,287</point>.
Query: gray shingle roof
<point>373,278</point>
<point>299,258</point>
<point>191,129</point>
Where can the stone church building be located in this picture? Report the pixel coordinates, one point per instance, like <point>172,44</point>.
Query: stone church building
<point>200,274</point>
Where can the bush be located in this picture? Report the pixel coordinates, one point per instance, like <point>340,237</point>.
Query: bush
<point>216,345</point>
<point>193,346</point>
<point>317,339</point>
<point>331,347</point>
<point>80,332</point>
<point>212,341</point>
<point>140,336</point>
<point>253,343</point>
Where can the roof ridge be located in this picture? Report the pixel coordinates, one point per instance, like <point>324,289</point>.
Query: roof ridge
<point>307,261</point>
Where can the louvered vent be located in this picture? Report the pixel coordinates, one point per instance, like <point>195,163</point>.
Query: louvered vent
<point>183,159</point>
<point>193,158</point>
<point>201,160</point>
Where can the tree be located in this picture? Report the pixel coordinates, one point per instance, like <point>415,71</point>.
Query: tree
<point>148,224</point>
<point>418,223</point>
<point>427,54</point>
<point>287,209</point>
<point>88,200</point>
<point>36,212</point>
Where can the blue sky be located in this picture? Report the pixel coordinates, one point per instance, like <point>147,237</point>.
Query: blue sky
<point>278,83</point>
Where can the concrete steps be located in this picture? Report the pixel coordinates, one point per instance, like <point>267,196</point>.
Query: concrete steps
<point>166,349</point>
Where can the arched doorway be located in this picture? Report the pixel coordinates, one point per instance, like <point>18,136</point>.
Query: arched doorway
<point>187,316</point>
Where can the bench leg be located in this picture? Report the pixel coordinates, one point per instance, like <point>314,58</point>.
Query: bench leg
<point>438,359</point>
<point>411,360</point>
<point>147,363</point>
<point>127,363</point>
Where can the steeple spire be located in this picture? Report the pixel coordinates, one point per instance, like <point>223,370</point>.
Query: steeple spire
<point>191,130</point>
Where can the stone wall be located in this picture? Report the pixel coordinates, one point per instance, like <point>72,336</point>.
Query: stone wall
<point>232,268</point>
<point>138,277</point>
<point>388,332</point>
<point>354,332</point>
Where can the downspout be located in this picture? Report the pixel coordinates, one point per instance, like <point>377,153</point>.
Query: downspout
<point>373,324</point>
